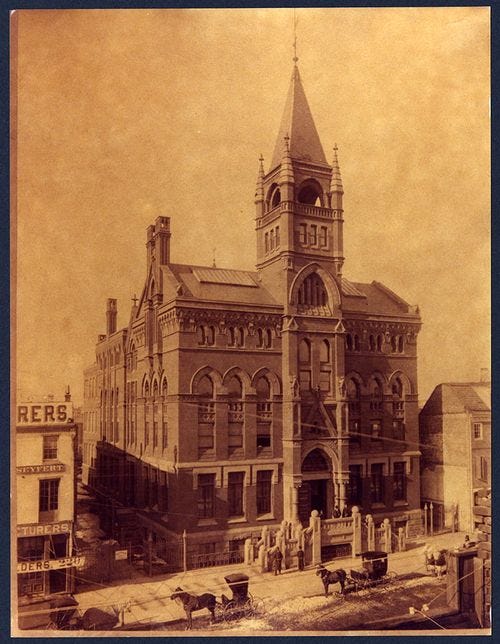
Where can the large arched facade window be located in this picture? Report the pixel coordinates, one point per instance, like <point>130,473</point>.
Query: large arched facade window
<point>156,396</point>
<point>312,293</point>
<point>206,416</point>
<point>235,414</point>
<point>264,414</point>
<point>164,414</point>
<point>398,408</point>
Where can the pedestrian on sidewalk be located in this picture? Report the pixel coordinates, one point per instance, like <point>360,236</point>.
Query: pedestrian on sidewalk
<point>277,559</point>
<point>300,558</point>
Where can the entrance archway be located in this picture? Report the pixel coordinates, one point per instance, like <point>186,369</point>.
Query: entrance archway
<point>316,491</point>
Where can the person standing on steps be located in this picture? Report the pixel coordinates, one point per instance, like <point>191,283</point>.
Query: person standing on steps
<point>300,558</point>
<point>277,560</point>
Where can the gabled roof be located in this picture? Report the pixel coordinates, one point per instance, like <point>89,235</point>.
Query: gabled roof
<point>297,122</point>
<point>459,397</point>
<point>375,299</point>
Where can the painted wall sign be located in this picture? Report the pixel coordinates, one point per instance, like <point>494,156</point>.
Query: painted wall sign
<point>49,564</point>
<point>53,413</point>
<point>39,529</point>
<point>48,468</point>
<point>121,555</point>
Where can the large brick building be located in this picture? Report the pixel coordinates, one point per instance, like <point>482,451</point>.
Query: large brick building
<point>235,399</point>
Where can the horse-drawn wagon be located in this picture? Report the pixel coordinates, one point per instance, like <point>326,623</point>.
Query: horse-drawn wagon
<point>242,604</point>
<point>372,573</point>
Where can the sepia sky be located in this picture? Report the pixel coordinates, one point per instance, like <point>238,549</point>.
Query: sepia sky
<point>125,115</point>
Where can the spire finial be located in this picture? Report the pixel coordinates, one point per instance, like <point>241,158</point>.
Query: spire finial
<point>295,20</point>
<point>134,299</point>
<point>213,262</point>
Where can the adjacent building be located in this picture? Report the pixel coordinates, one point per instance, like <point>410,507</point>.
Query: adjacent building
<point>235,399</point>
<point>45,493</point>
<point>455,432</point>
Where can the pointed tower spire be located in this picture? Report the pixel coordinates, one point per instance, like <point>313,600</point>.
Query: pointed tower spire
<point>259,188</point>
<point>298,123</point>
<point>336,181</point>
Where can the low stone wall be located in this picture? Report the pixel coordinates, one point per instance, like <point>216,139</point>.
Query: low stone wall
<point>481,512</point>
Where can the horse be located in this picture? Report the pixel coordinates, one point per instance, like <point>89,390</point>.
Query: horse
<point>331,577</point>
<point>192,603</point>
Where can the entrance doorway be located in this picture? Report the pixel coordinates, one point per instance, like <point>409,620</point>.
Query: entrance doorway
<point>316,491</point>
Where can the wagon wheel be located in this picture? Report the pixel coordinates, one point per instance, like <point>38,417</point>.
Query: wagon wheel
<point>257,606</point>
<point>230,611</point>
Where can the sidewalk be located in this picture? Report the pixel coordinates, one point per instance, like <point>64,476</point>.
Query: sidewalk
<point>150,599</point>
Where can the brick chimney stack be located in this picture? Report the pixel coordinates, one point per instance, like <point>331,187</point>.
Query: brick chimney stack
<point>111,312</point>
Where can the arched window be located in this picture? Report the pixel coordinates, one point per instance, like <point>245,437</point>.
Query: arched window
<point>232,337</point>
<point>397,388</point>
<point>200,334</point>
<point>164,415</point>
<point>372,342</point>
<point>356,342</point>
<point>304,352</point>
<point>241,337</point>
<point>380,342</point>
<point>269,340</point>
<point>276,198</point>
<point>309,194</point>
<point>398,409</point>
<point>401,344</point>
<point>394,343</point>
<point>315,461</point>
<point>210,334</point>
<point>206,415</point>
<point>354,405</point>
<point>324,351</point>
<point>260,338</point>
<point>263,388</point>
<point>235,414</point>
<point>264,414</point>
<point>271,239</point>
<point>348,342</point>
<point>312,291</point>
<point>376,397</point>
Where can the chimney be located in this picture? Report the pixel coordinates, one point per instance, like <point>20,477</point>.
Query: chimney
<point>67,394</point>
<point>111,317</point>
<point>485,374</point>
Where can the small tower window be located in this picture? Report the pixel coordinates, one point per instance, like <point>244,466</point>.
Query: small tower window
<point>277,236</point>
<point>271,239</point>
<point>323,238</point>
<point>313,235</point>
<point>266,242</point>
<point>303,233</point>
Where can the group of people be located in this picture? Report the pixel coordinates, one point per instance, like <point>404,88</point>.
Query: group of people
<point>277,560</point>
<point>337,512</point>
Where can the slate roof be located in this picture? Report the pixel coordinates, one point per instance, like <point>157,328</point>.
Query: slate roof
<point>228,285</point>
<point>297,122</point>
